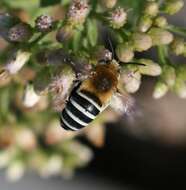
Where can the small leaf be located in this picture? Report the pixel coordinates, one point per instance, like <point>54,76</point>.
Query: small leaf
<point>92,32</point>
<point>65,2</point>
<point>46,3</point>
<point>76,40</point>
<point>27,5</point>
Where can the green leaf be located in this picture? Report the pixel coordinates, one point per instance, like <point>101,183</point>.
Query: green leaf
<point>76,40</point>
<point>92,32</point>
<point>46,3</point>
<point>65,2</point>
<point>27,5</point>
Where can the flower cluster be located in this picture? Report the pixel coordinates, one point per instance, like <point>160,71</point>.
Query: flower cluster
<point>41,61</point>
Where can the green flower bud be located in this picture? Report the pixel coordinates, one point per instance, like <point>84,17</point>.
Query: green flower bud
<point>178,46</point>
<point>109,3</point>
<point>149,67</point>
<point>181,89</point>
<point>141,41</point>
<point>52,166</point>
<point>20,33</point>
<point>125,52</point>
<point>15,170</point>
<point>5,157</point>
<point>44,23</point>
<point>160,36</point>
<point>65,33</point>
<point>160,90</point>
<point>169,75</point>
<point>161,22</point>
<point>131,78</point>
<point>117,18</point>
<point>145,23</point>
<point>173,6</point>
<point>151,9</point>
<point>180,84</point>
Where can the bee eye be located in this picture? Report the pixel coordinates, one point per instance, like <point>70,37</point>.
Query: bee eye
<point>103,62</point>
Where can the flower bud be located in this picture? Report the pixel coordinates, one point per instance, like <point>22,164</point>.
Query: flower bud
<point>151,9</point>
<point>44,23</point>
<point>78,12</point>
<point>144,24</point>
<point>125,52</point>
<point>65,33</point>
<point>180,88</point>
<point>160,90</point>
<point>30,142</point>
<point>20,33</point>
<point>131,79</point>
<point>52,166</point>
<point>6,22</point>
<point>15,170</point>
<point>180,84</point>
<point>161,22</point>
<point>5,157</point>
<point>141,41</point>
<point>178,46</point>
<point>96,134</point>
<point>169,75</point>
<point>82,68</point>
<point>173,6</point>
<point>30,97</point>
<point>160,36</point>
<point>109,3</point>
<point>60,87</point>
<point>83,153</point>
<point>149,68</point>
<point>117,18</point>
<point>54,134</point>
<point>17,61</point>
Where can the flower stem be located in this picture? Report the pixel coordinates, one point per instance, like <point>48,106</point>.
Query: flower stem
<point>177,30</point>
<point>162,54</point>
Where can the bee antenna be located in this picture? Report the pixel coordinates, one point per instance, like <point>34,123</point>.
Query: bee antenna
<point>111,46</point>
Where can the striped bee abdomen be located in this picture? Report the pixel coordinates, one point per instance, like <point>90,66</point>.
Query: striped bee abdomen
<point>81,109</point>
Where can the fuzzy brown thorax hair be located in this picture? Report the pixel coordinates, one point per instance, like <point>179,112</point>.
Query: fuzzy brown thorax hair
<point>103,82</point>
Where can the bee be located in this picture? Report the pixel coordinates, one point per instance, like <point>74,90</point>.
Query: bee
<point>91,96</point>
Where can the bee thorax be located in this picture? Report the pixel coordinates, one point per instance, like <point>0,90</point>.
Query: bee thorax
<point>103,84</point>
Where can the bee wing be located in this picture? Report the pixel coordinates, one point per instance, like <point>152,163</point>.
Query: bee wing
<point>122,103</point>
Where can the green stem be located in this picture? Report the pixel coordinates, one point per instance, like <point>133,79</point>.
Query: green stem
<point>162,54</point>
<point>177,30</point>
<point>40,37</point>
